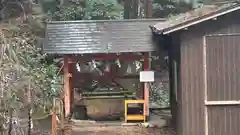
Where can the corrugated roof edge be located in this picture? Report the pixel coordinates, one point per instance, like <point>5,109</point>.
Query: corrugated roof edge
<point>118,20</point>
<point>195,21</point>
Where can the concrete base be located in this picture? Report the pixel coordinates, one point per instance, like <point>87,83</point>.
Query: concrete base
<point>130,124</point>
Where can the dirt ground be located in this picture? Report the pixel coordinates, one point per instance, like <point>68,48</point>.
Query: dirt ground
<point>115,129</point>
<point>91,127</point>
<point>95,129</point>
<point>125,131</point>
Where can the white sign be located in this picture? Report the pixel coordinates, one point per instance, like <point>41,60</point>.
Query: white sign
<point>146,76</point>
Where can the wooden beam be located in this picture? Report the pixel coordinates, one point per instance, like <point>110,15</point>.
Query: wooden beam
<point>107,93</point>
<point>86,58</point>
<point>110,97</point>
<point>206,127</point>
<point>54,119</point>
<point>54,122</point>
<point>70,69</point>
<point>67,98</point>
<point>146,87</point>
<point>117,76</point>
<point>217,103</point>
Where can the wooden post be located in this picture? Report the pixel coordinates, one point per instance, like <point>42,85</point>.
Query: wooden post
<point>67,90</point>
<point>148,14</point>
<point>30,123</point>
<point>146,87</point>
<point>54,119</point>
<point>70,66</point>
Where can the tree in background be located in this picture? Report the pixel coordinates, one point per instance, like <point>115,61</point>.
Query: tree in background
<point>164,8</point>
<point>90,9</point>
<point>110,9</point>
<point>33,11</point>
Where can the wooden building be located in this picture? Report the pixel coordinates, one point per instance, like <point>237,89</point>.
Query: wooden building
<point>89,40</point>
<point>204,47</point>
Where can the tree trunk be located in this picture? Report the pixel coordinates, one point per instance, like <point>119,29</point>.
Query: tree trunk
<point>148,8</point>
<point>127,9</point>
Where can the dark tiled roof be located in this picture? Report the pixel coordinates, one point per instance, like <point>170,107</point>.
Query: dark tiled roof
<point>190,17</point>
<point>100,36</point>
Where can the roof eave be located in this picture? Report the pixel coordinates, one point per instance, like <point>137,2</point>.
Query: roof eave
<point>155,30</point>
<point>102,21</point>
<point>194,21</point>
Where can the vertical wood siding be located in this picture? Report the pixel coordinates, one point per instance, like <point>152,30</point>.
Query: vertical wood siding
<point>223,66</point>
<point>192,86</point>
<point>223,120</point>
<point>223,77</point>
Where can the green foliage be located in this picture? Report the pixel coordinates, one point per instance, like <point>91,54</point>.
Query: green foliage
<point>103,9</point>
<point>88,10</point>
<point>14,8</point>
<point>49,5</point>
<point>22,69</point>
<point>68,13</point>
